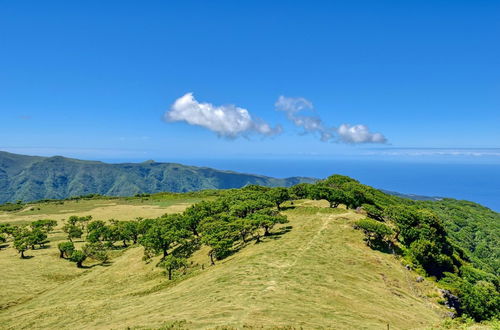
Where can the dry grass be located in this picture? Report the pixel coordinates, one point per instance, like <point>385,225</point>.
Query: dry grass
<point>100,209</point>
<point>320,274</point>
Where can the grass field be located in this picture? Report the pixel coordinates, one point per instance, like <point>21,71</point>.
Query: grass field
<point>315,272</point>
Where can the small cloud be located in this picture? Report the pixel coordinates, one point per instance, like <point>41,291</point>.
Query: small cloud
<point>359,134</point>
<point>227,121</point>
<point>314,124</point>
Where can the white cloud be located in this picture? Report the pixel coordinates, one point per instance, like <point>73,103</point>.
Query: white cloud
<point>314,124</point>
<point>227,121</point>
<point>310,124</point>
<point>359,134</point>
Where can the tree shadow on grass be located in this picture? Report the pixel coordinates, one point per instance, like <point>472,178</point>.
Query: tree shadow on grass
<point>387,248</point>
<point>102,264</point>
<point>279,233</point>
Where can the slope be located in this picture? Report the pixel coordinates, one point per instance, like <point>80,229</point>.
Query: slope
<point>314,272</point>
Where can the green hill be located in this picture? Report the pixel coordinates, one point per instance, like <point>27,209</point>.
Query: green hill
<point>318,275</point>
<point>30,178</point>
<point>334,254</point>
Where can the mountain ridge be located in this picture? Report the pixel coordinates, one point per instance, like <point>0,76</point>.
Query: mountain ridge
<point>29,178</point>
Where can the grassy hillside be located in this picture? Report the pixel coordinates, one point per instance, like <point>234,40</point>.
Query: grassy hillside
<point>314,272</point>
<point>30,178</point>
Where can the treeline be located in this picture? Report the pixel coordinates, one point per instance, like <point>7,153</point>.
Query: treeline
<point>27,237</point>
<point>224,225</point>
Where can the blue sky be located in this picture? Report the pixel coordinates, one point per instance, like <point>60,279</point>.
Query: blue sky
<point>98,79</point>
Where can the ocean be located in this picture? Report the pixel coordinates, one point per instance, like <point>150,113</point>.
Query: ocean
<point>477,182</point>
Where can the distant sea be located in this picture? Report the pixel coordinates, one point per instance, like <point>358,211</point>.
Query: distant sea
<point>479,183</point>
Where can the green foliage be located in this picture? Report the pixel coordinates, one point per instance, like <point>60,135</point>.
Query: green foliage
<point>25,238</point>
<point>474,275</point>
<point>354,194</point>
<point>428,254</point>
<point>46,225</point>
<point>97,231</point>
<point>376,233</point>
<point>96,251</point>
<point>278,196</point>
<point>66,249</point>
<point>474,228</point>
<point>195,213</point>
<point>22,240</point>
<point>73,231</point>
<point>481,300</point>
<point>11,207</point>
<point>374,212</point>
<point>172,263</point>
<point>300,191</point>
<point>338,181</point>
<point>37,236</point>
<point>334,196</point>
<point>78,257</point>
<point>7,229</point>
<point>165,232</point>
<point>267,219</point>
<point>218,235</point>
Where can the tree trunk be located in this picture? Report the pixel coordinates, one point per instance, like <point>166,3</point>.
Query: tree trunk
<point>124,243</point>
<point>266,231</point>
<point>170,274</point>
<point>212,258</point>
<point>165,253</point>
<point>61,254</point>
<point>278,206</point>
<point>79,264</point>
<point>22,255</point>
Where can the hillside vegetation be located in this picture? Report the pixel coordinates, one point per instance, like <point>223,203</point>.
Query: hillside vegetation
<point>29,178</point>
<point>333,254</point>
<point>314,275</point>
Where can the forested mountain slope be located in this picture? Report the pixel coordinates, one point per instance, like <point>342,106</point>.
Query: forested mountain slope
<point>29,178</point>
